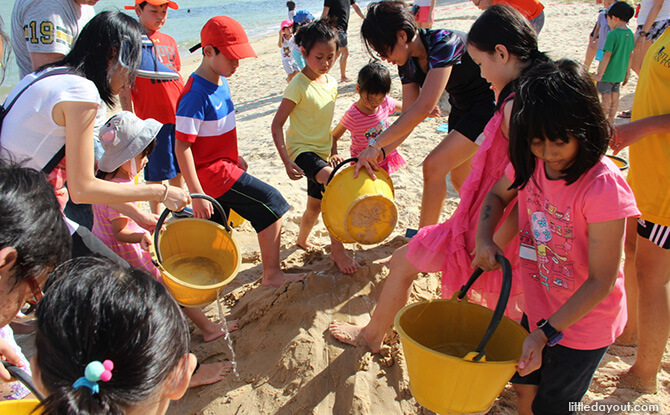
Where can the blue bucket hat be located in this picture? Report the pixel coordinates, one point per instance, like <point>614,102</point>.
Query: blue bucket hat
<point>302,16</point>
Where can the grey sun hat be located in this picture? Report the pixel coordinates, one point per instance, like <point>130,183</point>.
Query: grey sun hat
<point>124,136</point>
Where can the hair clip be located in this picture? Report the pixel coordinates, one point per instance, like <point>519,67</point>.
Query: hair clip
<point>95,372</point>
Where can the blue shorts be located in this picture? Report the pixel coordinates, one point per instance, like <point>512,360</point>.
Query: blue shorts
<point>254,200</point>
<point>564,377</point>
<point>608,87</point>
<point>311,163</point>
<point>162,163</point>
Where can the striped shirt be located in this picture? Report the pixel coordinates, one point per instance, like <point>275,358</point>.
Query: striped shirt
<point>206,118</point>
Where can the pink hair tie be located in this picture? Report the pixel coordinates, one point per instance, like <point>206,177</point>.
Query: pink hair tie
<point>95,372</point>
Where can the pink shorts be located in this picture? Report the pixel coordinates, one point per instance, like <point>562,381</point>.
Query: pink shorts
<point>424,15</point>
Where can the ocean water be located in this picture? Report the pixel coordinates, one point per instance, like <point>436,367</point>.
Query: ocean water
<point>258,17</point>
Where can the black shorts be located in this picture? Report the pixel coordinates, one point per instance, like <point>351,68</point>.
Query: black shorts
<point>564,377</point>
<point>471,123</point>
<point>343,38</point>
<point>254,200</point>
<point>311,163</point>
<point>658,235</point>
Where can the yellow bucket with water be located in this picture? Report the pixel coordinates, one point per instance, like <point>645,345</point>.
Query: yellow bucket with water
<point>359,209</point>
<point>196,257</point>
<point>460,355</point>
<point>19,407</point>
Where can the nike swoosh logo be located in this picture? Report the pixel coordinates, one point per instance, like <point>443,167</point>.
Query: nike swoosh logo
<point>217,107</point>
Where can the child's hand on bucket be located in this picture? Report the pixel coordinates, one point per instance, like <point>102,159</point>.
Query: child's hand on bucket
<point>484,255</point>
<point>531,354</point>
<point>202,209</point>
<point>146,241</point>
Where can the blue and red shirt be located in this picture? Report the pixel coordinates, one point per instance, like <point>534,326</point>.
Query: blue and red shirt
<point>206,118</point>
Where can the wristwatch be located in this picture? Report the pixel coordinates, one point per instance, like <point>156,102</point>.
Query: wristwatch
<point>373,143</point>
<point>552,334</point>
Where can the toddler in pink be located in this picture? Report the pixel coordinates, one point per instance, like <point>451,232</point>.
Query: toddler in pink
<point>368,116</point>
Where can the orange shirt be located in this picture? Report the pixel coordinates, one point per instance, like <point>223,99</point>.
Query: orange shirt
<point>530,9</point>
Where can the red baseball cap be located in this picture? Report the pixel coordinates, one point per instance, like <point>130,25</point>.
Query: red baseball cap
<point>170,4</point>
<point>227,35</point>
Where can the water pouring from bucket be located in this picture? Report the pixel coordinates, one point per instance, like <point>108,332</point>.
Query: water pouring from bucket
<point>460,355</point>
<point>196,257</point>
<point>359,209</point>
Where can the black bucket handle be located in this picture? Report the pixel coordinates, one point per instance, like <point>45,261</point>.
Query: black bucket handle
<point>167,211</point>
<point>332,174</point>
<point>23,377</point>
<point>500,307</point>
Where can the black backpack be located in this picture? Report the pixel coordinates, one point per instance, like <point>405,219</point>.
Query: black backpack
<point>4,109</point>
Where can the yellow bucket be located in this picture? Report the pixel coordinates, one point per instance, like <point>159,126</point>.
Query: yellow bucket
<point>359,209</point>
<point>196,257</point>
<point>620,162</point>
<point>448,372</point>
<point>19,407</point>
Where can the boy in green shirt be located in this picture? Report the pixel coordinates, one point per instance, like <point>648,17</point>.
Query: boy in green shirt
<point>613,68</point>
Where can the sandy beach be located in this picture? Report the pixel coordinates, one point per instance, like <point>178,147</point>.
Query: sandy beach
<point>288,362</point>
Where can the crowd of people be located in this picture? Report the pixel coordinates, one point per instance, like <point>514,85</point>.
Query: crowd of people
<point>525,150</point>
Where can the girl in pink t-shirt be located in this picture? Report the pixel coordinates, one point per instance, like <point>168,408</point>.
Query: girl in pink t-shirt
<point>368,116</point>
<point>573,204</point>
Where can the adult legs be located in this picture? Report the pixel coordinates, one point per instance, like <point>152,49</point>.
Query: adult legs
<point>453,152</point>
<point>652,264</point>
<point>344,55</point>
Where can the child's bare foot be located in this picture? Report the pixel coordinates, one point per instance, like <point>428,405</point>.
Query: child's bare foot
<point>210,373</point>
<point>215,330</point>
<point>349,334</point>
<point>345,79</point>
<point>344,262</point>
<point>631,380</point>
<point>277,278</point>
<point>307,246</point>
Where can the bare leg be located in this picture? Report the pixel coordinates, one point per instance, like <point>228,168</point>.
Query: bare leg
<point>460,173</point>
<point>591,51</point>
<point>307,222</point>
<point>454,150</point>
<point>524,398</point>
<point>614,106</point>
<point>339,255</point>
<point>344,55</point>
<point>653,278</point>
<point>209,329</point>
<point>394,296</point>
<point>210,373</point>
<point>268,240</point>
<point>629,335</point>
<point>606,102</point>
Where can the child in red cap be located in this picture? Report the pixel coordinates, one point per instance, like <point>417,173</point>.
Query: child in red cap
<point>206,145</point>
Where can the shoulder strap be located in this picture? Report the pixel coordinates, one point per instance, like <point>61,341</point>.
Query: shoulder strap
<point>5,109</point>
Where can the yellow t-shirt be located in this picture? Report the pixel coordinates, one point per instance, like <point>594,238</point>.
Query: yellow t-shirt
<point>649,175</point>
<point>310,120</point>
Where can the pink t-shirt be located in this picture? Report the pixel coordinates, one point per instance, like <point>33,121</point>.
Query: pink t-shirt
<point>554,246</point>
<point>366,126</point>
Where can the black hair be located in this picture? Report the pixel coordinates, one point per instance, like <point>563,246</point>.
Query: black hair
<point>557,101</point>
<point>382,22</point>
<point>503,25</point>
<point>374,78</point>
<point>291,5</point>
<point>144,3</point>
<point>318,31</point>
<point>94,309</point>
<point>622,10</point>
<point>95,53</point>
<point>31,221</point>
